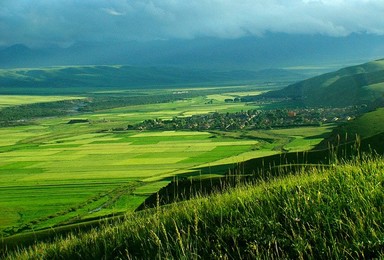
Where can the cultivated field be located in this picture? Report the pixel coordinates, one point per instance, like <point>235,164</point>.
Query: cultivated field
<point>55,173</point>
<point>12,100</point>
<point>61,169</point>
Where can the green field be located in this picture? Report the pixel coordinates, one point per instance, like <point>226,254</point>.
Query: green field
<point>60,168</point>
<point>55,173</point>
<point>302,138</point>
<point>12,100</point>
<point>187,107</point>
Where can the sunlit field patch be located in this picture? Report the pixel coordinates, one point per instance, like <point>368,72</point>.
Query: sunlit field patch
<point>169,133</point>
<point>150,187</point>
<point>377,87</point>
<point>303,138</point>
<point>15,100</point>
<point>151,161</point>
<point>241,157</point>
<point>301,144</point>
<point>11,137</point>
<point>303,131</point>
<point>232,95</point>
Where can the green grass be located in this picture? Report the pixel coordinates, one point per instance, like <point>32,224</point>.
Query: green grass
<point>14,100</point>
<point>301,144</point>
<point>232,95</point>
<point>150,187</point>
<point>319,213</point>
<point>379,87</point>
<point>303,138</point>
<point>43,206</point>
<point>366,126</point>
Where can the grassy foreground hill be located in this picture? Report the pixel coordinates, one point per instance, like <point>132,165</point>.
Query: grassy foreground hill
<point>317,213</point>
<point>356,85</point>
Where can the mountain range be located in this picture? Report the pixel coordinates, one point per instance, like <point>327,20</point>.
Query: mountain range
<point>353,85</point>
<point>80,79</point>
<point>273,50</point>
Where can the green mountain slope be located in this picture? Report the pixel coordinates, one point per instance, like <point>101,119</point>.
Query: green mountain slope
<point>316,214</point>
<point>368,128</point>
<point>361,84</point>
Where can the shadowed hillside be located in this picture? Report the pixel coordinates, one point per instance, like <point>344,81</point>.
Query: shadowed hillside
<point>368,126</point>
<point>83,78</point>
<point>356,85</point>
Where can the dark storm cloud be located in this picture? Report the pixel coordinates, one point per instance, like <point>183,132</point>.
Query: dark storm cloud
<point>64,22</point>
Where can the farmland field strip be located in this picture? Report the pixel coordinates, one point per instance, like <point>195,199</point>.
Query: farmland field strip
<point>68,206</point>
<point>161,150</point>
<point>15,100</point>
<point>142,152</point>
<point>188,107</point>
<point>43,202</point>
<point>100,203</point>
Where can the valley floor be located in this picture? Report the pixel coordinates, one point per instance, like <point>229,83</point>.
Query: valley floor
<point>62,170</point>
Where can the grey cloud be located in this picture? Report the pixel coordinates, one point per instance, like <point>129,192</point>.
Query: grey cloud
<point>62,22</point>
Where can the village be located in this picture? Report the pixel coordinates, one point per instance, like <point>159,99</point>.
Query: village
<point>255,119</point>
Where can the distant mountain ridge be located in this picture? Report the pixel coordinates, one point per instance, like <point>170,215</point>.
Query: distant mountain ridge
<point>355,85</point>
<point>81,78</point>
<point>272,50</point>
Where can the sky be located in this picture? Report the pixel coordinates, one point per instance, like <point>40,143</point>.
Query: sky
<point>39,23</point>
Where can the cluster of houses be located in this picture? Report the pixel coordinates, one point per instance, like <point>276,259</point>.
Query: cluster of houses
<point>254,119</point>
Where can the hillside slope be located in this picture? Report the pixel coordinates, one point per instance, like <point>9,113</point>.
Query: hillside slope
<point>369,128</point>
<point>323,214</point>
<point>356,85</point>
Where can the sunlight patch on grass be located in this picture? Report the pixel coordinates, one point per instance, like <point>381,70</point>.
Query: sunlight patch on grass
<point>15,100</point>
<point>151,161</point>
<point>170,133</point>
<point>377,87</point>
